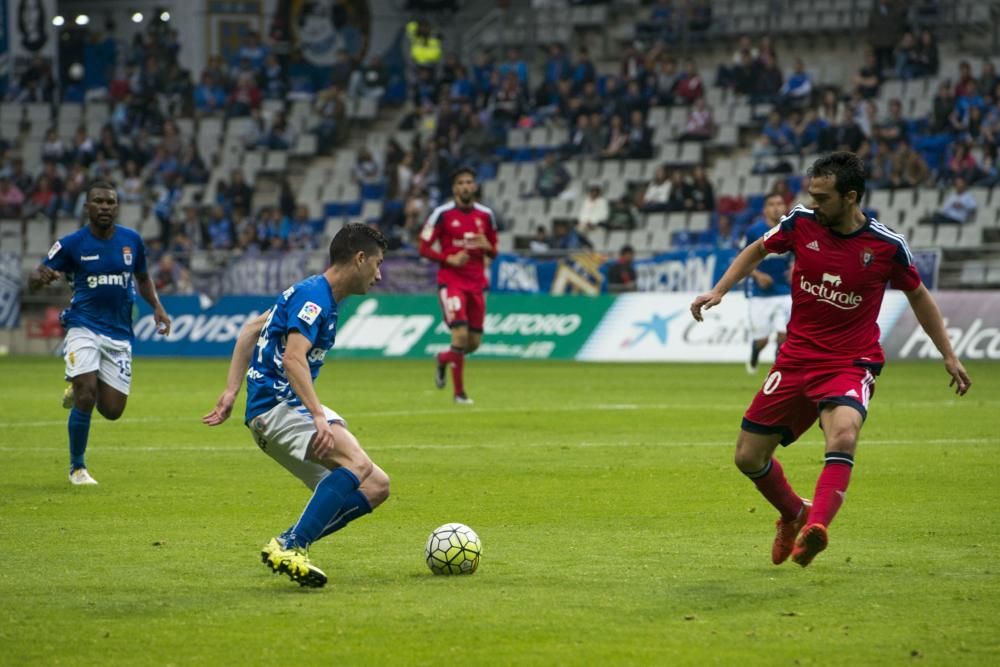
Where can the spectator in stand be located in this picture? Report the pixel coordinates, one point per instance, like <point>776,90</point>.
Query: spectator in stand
<point>220,230</point>
<point>768,80</point>
<point>962,164</point>
<point>886,24</point>
<point>298,232</point>
<point>515,64</point>
<point>892,127</point>
<point>332,114</point>
<point>724,235</point>
<point>617,141</point>
<point>967,86</point>
<point>621,274</point>
<point>53,148</point>
<point>478,143</point>
<point>869,78</point>
<point>244,98</point>
<point>699,195</point>
<point>132,188</point>
<point>660,24</point>
<point>367,170</point>
<point>621,213</point>
<point>44,200</point>
<point>593,212</point>
<point>371,79</point>
<point>238,193</point>
<point>699,17</point>
<point>907,57</point>
<point>942,112</point>
<point>656,195</point>
<point>909,167</point>
<point>744,75</point>
<point>926,61</point>
<point>551,178</point>
<point>879,163</point>
<point>18,176</point>
<point>566,237</point>
<point>639,145</point>
<point>425,46</point>
<point>193,169</point>
<point>780,138</point>
<point>700,124</point>
<point>508,102</point>
<point>676,201</point>
<point>272,78</point>
<point>845,135</point>
<point>539,243</point>
<point>689,87</point>
<point>634,99</point>
<point>959,206</point>
<point>583,70</point>
<point>667,78</point>
<point>580,142</point>
<point>808,128</point>
<point>11,198</point>
<point>796,92</point>
<point>987,83</point>
<point>829,109</point>
<point>253,50</point>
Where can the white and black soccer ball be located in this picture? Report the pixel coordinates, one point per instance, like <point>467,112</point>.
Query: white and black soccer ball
<point>454,548</point>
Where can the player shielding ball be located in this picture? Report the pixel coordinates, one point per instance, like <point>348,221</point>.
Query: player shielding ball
<point>828,364</point>
<point>284,349</point>
<point>465,232</point>
<point>107,265</point>
<point>768,291</point>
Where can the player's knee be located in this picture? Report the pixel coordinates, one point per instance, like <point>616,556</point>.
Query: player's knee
<point>747,458</point>
<point>84,396</point>
<point>471,346</point>
<point>377,487</point>
<point>110,412</point>
<point>844,439</point>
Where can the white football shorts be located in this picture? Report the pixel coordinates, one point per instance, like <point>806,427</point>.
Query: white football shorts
<point>769,314</point>
<point>284,433</point>
<point>86,351</point>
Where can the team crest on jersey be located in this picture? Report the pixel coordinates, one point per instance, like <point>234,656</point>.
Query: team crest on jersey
<point>867,257</point>
<point>310,311</point>
<point>127,255</point>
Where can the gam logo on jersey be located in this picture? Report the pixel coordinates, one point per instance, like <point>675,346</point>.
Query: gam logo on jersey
<point>127,255</point>
<point>115,279</point>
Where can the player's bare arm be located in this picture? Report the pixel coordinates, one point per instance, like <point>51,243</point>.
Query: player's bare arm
<point>741,267</point>
<point>296,367</point>
<point>927,313</point>
<point>41,277</point>
<point>238,365</point>
<point>146,288</point>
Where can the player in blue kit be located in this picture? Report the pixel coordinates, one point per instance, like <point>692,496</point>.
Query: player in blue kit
<point>284,349</point>
<point>769,293</point>
<point>107,265</point>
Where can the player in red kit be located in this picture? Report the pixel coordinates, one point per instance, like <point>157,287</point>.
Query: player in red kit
<point>827,366</point>
<point>465,232</point>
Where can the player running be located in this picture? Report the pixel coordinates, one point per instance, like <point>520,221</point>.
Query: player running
<point>769,294</point>
<point>465,231</point>
<point>828,364</point>
<point>107,265</point>
<point>284,349</point>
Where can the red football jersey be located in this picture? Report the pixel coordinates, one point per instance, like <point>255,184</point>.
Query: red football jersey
<point>450,226</point>
<point>838,283</point>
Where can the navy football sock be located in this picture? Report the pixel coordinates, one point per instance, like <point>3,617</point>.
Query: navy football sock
<point>79,429</point>
<point>327,500</point>
<point>355,506</point>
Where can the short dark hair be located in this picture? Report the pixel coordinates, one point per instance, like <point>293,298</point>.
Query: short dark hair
<point>847,169</point>
<point>773,193</point>
<point>462,170</point>
<point>353,238</point>
<point>626,249</point>
<point>101,184</point>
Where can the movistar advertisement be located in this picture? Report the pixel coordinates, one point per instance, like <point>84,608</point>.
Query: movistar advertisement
<point>386,326</point>
<point>516,327</point>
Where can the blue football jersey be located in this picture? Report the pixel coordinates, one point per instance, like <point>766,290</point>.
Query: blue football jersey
<point>776,266</point>
<point>103,276</point>
<point>307,307</point>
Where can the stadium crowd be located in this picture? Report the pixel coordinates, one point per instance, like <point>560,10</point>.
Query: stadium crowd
<point>461,113</point>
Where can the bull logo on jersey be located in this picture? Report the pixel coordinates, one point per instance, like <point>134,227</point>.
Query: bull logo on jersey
<point>127,255</point>
<point>826,291</point>
<point>867,257</point>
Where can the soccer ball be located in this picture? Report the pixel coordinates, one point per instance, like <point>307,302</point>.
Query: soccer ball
<point>454,548</point>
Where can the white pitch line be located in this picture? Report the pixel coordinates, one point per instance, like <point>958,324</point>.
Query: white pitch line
<point>249,447</point>
<point>598,407</point>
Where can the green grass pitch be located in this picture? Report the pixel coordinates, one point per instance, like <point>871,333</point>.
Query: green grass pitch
<point>615,528</point>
